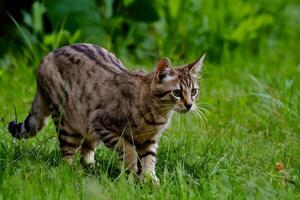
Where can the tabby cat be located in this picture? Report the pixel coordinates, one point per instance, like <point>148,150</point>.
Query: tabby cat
<point>93,98</point>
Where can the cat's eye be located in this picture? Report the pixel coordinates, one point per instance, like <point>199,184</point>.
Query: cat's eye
<point>177,93</point>
<point>194,91</point>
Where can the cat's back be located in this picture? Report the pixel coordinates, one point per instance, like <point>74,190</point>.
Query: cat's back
<point>82,77</point>
<point>81,60</point>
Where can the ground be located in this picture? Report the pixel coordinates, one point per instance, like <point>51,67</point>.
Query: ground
<point>251,108</point>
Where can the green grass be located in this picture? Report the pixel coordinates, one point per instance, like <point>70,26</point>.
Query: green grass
<point>252,123</point>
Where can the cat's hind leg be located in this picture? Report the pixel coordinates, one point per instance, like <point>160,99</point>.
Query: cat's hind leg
<point>69,143</point>
<point>69,138</point>
<point>88,149</point>
<point>126,151</point>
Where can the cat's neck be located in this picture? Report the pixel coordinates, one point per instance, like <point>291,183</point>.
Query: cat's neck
<point>149,100</point>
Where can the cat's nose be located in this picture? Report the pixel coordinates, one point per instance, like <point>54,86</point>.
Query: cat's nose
<point>188,106</point>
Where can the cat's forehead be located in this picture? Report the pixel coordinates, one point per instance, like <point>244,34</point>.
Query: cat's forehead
<point>184,79</point>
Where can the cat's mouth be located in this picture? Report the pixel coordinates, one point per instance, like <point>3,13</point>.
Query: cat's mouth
<point>181,110</point>
<point>184,109</point>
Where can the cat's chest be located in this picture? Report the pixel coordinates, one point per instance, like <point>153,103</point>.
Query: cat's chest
<point>147,131</point>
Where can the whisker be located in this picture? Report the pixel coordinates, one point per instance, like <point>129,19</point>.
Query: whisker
<point>206,107</point>
<point>195,115</point>
<point>201,117</point>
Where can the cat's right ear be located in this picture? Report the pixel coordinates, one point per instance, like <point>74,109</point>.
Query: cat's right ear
<point>163,69</point>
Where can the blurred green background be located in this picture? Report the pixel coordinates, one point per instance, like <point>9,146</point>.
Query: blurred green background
<point>148,29</point>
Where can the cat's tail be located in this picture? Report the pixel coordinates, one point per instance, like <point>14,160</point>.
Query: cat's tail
<point>34,121</point>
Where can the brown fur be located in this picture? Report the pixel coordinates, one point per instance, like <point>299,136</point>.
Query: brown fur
<point>93,98</point>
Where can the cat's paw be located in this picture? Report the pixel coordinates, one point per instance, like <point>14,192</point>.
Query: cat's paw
<point>87,162</point>
<point>88,159</point>
<point>150,178</point>
<point>68,160</point>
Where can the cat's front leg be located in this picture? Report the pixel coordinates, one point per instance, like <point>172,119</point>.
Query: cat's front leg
<point>147,159</point>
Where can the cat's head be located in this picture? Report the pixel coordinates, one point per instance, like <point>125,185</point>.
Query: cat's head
<point>177,87</point>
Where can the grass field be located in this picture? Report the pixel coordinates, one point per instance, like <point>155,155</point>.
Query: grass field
<point>253,107</point>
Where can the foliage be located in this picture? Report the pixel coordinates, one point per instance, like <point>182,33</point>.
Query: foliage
<point>151,29</point>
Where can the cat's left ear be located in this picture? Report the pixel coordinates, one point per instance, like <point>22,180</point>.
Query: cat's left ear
<point>196,67</point>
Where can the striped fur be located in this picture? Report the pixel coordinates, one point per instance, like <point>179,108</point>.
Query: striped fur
<point>93,98</point>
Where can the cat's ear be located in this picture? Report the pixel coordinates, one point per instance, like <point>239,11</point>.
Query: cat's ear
<point>196,67</point>
<point>163,69</point>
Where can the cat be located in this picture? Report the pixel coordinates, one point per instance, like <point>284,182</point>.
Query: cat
<point>93,98</point>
